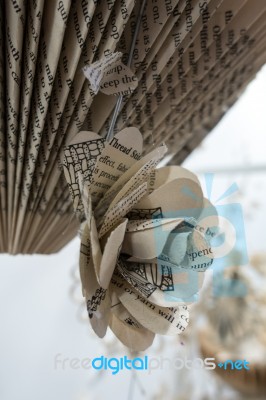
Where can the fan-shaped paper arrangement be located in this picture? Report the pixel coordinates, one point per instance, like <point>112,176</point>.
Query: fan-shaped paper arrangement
<point>192,59</point>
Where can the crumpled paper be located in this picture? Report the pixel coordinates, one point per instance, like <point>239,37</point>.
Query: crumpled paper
<point>143,253</point>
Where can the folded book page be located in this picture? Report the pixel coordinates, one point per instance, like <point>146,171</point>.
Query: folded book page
<point>191,61</point>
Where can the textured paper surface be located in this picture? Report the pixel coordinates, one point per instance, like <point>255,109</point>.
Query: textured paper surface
<point>111,76</point>
<point>143,253</point>
<point>192,60</point>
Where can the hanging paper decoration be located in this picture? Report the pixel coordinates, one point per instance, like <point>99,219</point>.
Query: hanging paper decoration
<point>143,254</point>
<point>110,76</point>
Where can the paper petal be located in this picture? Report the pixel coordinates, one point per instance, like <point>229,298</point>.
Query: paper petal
<point>178,198</point>
<point>130,180</point>
<point>162,320</point>
<point>84,260</point>
<point>175,247</point>
<point>95,249</point>
<point>149,243</point>
<point>79,162</point>
<point>144,224</point>
<point>98,301</point>
<point>120,209</point>
<point>161,283</point>
<point>199,254</point>
<point>128,330</point>
<point>110,255</point>
<point>208,220</point>
<point>167,174</point>
<point>136,339</point>
<point>116,158</point>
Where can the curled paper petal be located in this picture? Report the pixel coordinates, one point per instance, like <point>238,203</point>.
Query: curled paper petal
<point>145,236</point>
<point>149,243</point>
<point>175,248</point>
<point>199,255</point>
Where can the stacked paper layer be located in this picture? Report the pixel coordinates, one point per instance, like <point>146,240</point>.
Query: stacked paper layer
<point>192,60</point>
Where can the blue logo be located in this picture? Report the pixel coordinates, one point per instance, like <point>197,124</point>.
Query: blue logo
<point>231,365</point>
<point>212,236</point>
<point>118,364</point>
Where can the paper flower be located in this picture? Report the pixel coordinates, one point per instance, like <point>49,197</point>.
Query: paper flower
<point>142,252</point>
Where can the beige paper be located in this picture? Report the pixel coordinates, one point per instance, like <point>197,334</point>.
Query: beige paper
<point>133,338</point>
<point>111,76</point>
<point>80,159</point>
<point>149,243</point>
<point>97,298</point>
<point>140,271</point>
<point>130,180</point>
<point>108,260</point>
<point>129,331</point>
<point>162,283</point>
<point>192,61</point>
<point>116,158</point>
<point>186,196</point>
<point>120,209</point>
<point>165,321</point>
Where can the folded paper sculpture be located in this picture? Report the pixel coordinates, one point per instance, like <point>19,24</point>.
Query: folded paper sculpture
<point>143,253</point>
<point>191,61</point>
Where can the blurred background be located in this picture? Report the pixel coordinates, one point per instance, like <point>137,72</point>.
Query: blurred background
<point>43,315</point>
